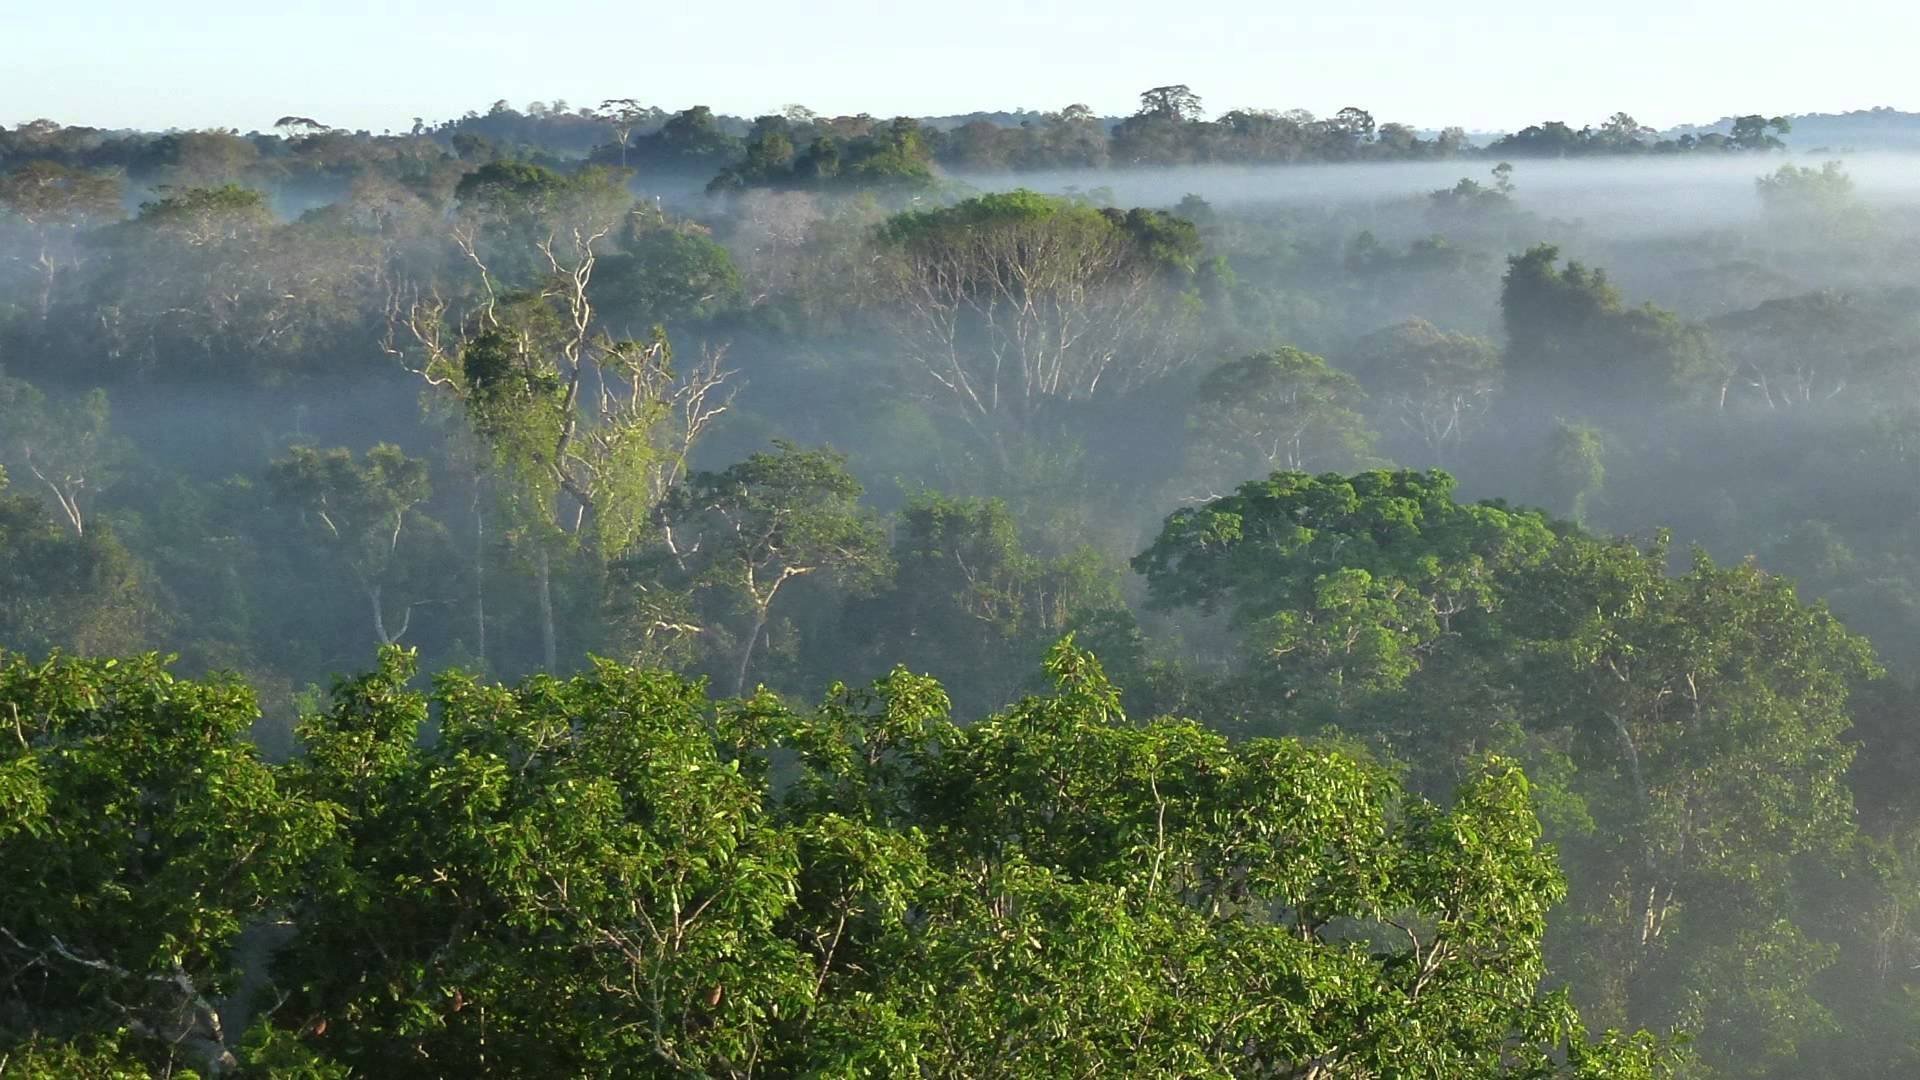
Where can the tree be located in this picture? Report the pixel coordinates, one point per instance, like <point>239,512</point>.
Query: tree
<point>1098,847</point>
<point>1340,588</point>
<point>969,603</point>
<point>69,450</point>
<point>1074,137</point>
<point>589,430</point>
<point>665,273</point>
<point>144,835</point>
<point>206,159</point>
<point>1434,386</point>
<point>623,115</point>
<point>1621,133</point>
<point>195,280</point>
<point>1802,351</point>
<point>740,537</point>
<point>1551,139</point>
<point>1794,191</point>
<point>1177,103</point>
<point>769,159</point>
<point>61,589</point>
<point>1008,303</point>
<point>57,204</point>
<point>1571,339</point>
<point>1707,713</point>
<point>1751,133</point>
<point>516,219</point>
<point>689,141</point>
<point>770,236</point>
<point>1278,410</point>
<point>597,873</point>
<point>1470,200</point>
<point>1352,128</point>
<point>1574,469</point>
<point>574,875</point>
<point>294,126</point>
<point>1686,732</point>
<point>358,513</point>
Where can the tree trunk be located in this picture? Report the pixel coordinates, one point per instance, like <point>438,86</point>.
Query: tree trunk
<point>379,617</point>
<point>549,647</point>
<point>48,271</point>
<point>1649,915</point>
<point>479,576</point>
<point>746,654</point>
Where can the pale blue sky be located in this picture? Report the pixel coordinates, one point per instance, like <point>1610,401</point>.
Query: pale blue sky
<point>1497,64</point>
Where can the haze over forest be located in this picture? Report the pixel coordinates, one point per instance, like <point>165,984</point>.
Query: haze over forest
<point>611,591</point>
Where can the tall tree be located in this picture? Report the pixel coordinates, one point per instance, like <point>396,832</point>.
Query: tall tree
<point>623,115</point>
<point>590,431</point>
<point>56,205</point>
<point>1008,303</point>
<point>1177,102</point>
<point>597,874</point>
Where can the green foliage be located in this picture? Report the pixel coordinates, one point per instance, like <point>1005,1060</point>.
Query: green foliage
<point>1813,350</point>
<point>84,592</point>
<point>1691,728</point>
<point>667,274</point>
<point>1008,305</point>
<point>1804,192</point>
<point>65,449</point>
<point>1751,132</point>
<point>205,214</point>
<point>522,191</point>
<point>361,515</point>
<point>1428,385</point>
<point>1570,336</point>
<point>599,875</point>
<point>144,834</point>
<point>1339,585</point>
<point>1622,134</point>
<point>1278,410</point>
<point>1471,198</point>
<point>969,602</point>
<point>574,875</point>
<point>1722,768</point>
<point>47,194</point>
<point>512,208</point>
<point>1575,467</point>
<point>1156,237</point>
<point>735,540</point>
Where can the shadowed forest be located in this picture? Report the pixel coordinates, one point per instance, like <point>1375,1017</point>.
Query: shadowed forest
<point>625,593</point>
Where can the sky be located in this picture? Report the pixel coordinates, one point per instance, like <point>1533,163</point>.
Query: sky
<point>1497,65</point>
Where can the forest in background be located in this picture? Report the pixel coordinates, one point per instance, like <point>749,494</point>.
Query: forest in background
<point>1524,537</point>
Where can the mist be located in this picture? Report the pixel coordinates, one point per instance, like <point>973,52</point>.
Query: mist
<point>1447,463</point>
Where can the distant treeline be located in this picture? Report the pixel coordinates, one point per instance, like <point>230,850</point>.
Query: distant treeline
<point>798,148</point>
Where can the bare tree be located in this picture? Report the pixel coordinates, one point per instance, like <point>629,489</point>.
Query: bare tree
<point>1009,303</point>
<point>769,239</point>
<point>592,431</point>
